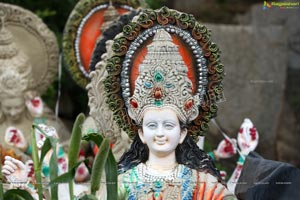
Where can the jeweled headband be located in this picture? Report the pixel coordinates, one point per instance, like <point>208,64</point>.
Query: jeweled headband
<point>164,58</point>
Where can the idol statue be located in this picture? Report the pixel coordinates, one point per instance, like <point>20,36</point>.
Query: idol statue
<point>164,79</point>
<point>27,68</point>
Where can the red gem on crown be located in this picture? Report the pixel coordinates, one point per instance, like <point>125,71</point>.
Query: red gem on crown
<point>133,103</point>
<point>189,104</point>
<point>157,93</point>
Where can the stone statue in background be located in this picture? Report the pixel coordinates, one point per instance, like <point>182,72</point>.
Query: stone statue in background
<point>91,26</point>
<point>27,68</point>
<point>101,117</point>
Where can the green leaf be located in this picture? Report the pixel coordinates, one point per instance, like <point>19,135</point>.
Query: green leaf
<point>110,166</point>
<point>111,172</point>
<point>53,174</point>
<point>49,143</point>
<point>93,137</point>
<point>75,147</point>
<point>45,148</point>
<point>36,164</point>
<point>66,177</point>
<point>88,197</point>
<point>98,166</point>
<point>53,140</point>
<point>75,141</point>
<point>17,194</point>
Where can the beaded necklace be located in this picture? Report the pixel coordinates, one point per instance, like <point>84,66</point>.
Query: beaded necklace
<point>178,184</point>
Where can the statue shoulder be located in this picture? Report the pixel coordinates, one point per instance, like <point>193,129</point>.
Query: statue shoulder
<point>130,176</point>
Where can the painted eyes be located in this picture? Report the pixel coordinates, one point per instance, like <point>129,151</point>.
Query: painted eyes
<point>152,125</point>
<point>167,125</point>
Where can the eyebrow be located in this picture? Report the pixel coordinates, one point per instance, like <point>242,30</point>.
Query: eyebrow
<point>170,121</point>
<point>164,121</point>
<point>149,121</point>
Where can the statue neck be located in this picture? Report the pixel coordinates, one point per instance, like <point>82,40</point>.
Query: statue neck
<point>162,162</point>
<point>25,117</point>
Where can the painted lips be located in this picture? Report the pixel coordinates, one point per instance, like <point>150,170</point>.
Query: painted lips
<point>160,141</point>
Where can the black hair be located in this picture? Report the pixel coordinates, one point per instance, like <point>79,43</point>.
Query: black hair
<point>109,34</point>
<point>187,153</point>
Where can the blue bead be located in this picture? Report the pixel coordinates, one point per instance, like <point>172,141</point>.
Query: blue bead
<point>148,85</point>
<point>169,85</point>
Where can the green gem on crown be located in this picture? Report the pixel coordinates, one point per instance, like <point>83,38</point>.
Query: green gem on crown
<point>158,77</point>
<point>157,184</point>
<point>158,103</point>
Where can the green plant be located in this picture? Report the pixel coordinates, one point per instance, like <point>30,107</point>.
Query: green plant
<point>75,147</point>
<point>50,143</point>
<point>109,163</point>
<point>18,194</point>
<point>104,160</point>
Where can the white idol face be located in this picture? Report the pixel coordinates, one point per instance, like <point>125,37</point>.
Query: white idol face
<point>161,131</point>
<point>13,108</point>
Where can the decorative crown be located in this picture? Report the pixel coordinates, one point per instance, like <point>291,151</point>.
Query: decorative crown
<point>109,16</point>
<point>15,71</point>
<point>7,47</point>
<point>180,68</point>
<point>163,82</point>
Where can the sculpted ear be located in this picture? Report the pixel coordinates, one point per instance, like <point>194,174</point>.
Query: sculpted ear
<point>182,135</point>
<point>141,135</point>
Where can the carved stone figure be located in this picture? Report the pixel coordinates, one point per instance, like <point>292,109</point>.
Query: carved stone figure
<point>163,82</point>
<point>101,117</point>
<point>27,68</point>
